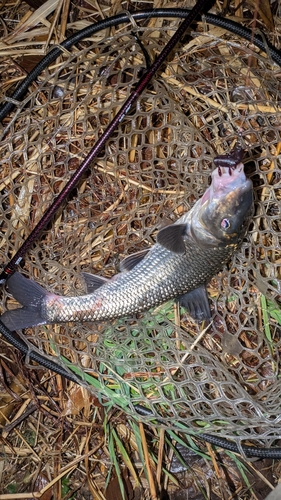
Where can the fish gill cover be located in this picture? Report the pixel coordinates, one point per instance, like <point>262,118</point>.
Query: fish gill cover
<point>155,167</point>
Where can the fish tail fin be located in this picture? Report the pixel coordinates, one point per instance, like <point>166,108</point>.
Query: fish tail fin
<point>31,296</point>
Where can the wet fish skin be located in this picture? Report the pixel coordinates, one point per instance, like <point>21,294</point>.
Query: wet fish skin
<point>140,289</point>
<point>187,255</point>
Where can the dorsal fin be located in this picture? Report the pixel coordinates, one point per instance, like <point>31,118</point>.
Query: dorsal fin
<point>171,238</point>
<point>93,282</point>
<point>132,260</point>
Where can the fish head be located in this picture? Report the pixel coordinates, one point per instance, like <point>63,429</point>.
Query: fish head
<point>222,214</point>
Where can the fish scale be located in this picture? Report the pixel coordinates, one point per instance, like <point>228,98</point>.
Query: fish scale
<point>159,277</point>
<point>186,256</point>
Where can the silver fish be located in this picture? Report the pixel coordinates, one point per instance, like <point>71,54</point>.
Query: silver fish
<point>186,256</point>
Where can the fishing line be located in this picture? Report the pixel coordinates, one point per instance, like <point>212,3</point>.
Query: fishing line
<point>19,93</point>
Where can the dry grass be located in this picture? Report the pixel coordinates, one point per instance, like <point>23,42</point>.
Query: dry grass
<point>58,439</point>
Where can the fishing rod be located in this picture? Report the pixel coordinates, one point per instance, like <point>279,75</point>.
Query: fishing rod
<point>19,93</point>
<point>259,40</point>
<point>97,148</point>
<point>189,16</point>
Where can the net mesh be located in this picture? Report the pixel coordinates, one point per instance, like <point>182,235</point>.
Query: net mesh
<point>153,169</point>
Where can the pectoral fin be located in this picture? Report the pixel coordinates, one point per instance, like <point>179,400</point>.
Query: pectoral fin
<point>171,237</point>
<point>196,303</point>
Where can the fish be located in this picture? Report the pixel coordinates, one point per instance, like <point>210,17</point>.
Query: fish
<point>186,255</point>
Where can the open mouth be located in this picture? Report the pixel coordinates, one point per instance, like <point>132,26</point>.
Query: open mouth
<point>224,178</point>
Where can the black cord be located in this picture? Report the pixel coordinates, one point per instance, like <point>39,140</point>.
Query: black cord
<point>19,93</point>
<point>227,24</point>
<point>14,339</point>
<point>9,269</point>
<point>249,451</point>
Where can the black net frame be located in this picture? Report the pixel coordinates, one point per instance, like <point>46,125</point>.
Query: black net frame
<point>154,168</point>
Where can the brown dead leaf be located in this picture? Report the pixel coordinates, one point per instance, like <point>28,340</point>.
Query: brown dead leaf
<point>40,483</point>
<point>28,62</point>
<point>78,399</point>
<point>113,491</point>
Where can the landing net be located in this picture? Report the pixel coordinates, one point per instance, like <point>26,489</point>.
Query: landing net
<point>154,168</point>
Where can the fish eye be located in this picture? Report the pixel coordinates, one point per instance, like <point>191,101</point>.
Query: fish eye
<point>225,224</point>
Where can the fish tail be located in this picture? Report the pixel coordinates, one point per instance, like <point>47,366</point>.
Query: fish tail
<point>32,297</point>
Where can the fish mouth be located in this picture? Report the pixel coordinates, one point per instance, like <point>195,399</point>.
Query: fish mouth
<point>228,198</point>
<point>224,180</point>
<point>228,188</point>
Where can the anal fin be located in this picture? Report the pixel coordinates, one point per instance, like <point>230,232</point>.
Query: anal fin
<point>196,303</point>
